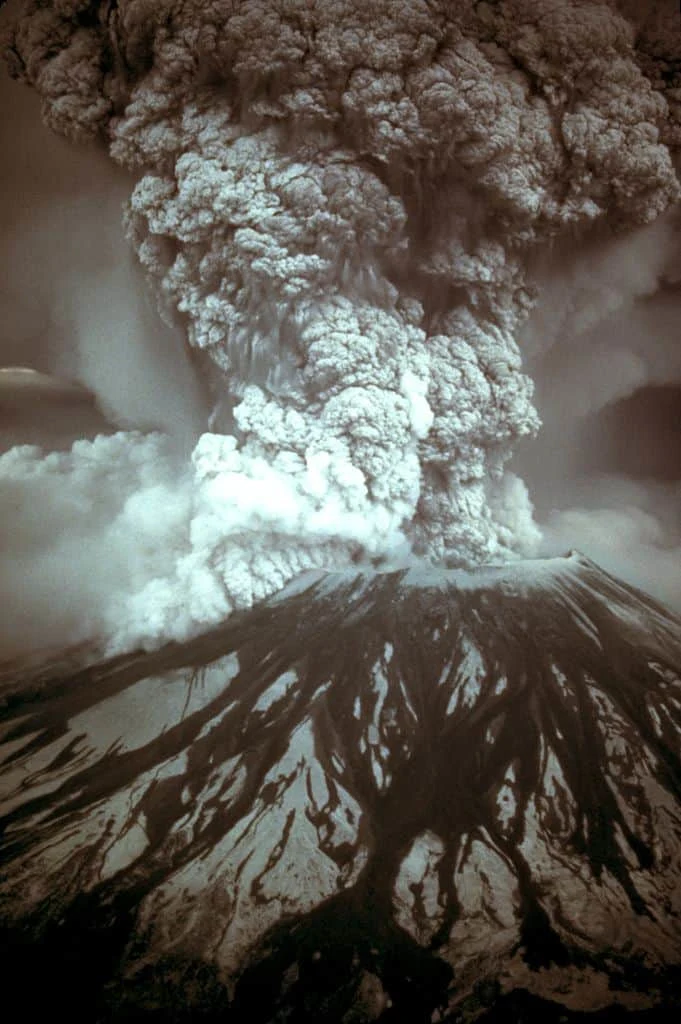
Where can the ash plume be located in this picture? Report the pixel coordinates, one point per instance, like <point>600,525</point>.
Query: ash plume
<point>344,206</point>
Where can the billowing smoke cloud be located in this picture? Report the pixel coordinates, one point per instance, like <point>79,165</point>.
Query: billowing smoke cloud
<point>342,204</point>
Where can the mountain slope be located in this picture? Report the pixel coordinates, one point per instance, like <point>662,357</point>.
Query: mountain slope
<point>398,795</point>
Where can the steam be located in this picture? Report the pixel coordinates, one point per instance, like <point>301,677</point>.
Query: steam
<point>342,208</point>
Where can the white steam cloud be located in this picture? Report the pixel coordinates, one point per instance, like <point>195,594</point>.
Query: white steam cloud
<point>343,206</point>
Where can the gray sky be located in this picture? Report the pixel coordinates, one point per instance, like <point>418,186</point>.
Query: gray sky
<point>72,298</point>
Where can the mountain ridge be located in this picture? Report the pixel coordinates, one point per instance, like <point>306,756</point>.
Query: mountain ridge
<point>379,793</point>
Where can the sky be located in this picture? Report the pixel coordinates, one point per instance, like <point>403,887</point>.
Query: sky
<point>605,470</point>
<point>72,299</point>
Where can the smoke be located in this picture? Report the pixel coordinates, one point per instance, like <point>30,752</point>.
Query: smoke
<point>343,208</point>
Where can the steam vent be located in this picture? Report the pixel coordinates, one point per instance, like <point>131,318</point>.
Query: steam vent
<point>411,796</point>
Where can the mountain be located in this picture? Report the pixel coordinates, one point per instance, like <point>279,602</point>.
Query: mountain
<point>420,795</point>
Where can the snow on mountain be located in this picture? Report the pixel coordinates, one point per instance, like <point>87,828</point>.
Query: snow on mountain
<point>413,796</point>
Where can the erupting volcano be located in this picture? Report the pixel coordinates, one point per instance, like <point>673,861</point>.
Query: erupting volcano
<point>302,718</point>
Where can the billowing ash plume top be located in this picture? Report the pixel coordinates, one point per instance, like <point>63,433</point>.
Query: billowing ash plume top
<point>340,201</point>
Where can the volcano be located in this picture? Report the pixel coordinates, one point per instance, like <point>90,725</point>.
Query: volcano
<point>419,795</point>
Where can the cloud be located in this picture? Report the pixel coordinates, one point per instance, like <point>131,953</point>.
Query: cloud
<point>122,539</point>
<point>342,207</point>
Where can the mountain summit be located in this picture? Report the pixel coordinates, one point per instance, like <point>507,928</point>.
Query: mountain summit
<point>420,795</point>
